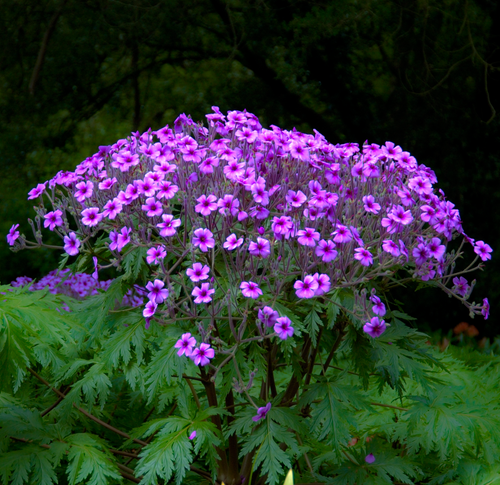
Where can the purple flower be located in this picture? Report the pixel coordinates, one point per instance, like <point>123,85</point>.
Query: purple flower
<point>261,248</point>
<point>228,205</point>
<point>391,247</point>
<point>436,249</point>
<point>482,250</point>
<point>308,237</point>
<point>326,250</point>
<point>232,242</point>
<point>250,289</point>
<point>202,295</point>
<point>152,207</point>
<point>107,183</point>
<point>421,254</point>
<point>53,219</point>
<point>268,316</point>
<point>261,412</point>
<point>203,238</point>
<point>324,284</point>
<point>157,293</point>
<point>375,327</point>
<point>192,436</point>
<point>37,191</point>
<point>202,355</point>
<point>156,254</point>
<point>185,345</point>
<point>71,244</point>
<point>370,458</point>
<point>399,215</point>
<point>206,205</point>
<point>306,288</point>
<point>282,227</point>
<point>112,208</point>
<point>198,272</point>
<point>378,307</point>
<point>149,309</point>
<point>13,234</point>
<point>485,311</point>
<point>283,328</point>
<point>166,190</point>
<point>91,216</point>
<point>295,199</point>
<point>85,190</point>
<point>123,238</point>
<point>370,204</point>
<point>363,256</point>
<point>461,286</point>
<point>342,234</point>
<point>168,225</point>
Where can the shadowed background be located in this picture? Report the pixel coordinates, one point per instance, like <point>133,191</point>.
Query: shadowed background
<point>76,74</point>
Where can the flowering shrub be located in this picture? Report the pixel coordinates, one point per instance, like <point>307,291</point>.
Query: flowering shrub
<point>262,262</point>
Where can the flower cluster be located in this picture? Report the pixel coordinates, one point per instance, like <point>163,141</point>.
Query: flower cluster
<point>78,286</point>
<point>235,214</point>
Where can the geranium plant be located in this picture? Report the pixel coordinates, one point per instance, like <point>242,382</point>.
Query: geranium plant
<point>249,326</point>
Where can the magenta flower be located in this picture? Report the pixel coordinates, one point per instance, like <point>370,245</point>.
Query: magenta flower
<point>149,309</point>
<point>152,207</point>
<point>13,234</point>
<point>157,293</point>
<point>71,244</point>
<point>250,289</point>
<point>156,254</point>
<point>53,219</point>
<point>326,250</point>
<point>192,436</point>
<point>436,249</point>
<point>295,199</point>
<point>112,208</point>
<point>378,307</point>
<point>232,242</point>
<point>91,216</point>
<point>399,215</point>
<point>207,166</point>
<point>370,204</point>
<point>485,311</point>
<point>363,256</point>
<point>308,237</point>
<point>306,288</point>
<point>261,248</point>
<point>342,234</point>
<point>203,238</point>
<point>166,190</point>
<point>283,327</point>
<point>375,327</point>
<point>421,254</point>
<point>123,238</point>
<point>168,226</point>
<point>185,345</point>
<point>146,187</point>
<point>37,191</point>
<point>324,284</point>
<point>203,294</point>
<point>202,355</point>
<point>370,458</point>
<point>198,272</point>
<point>461,286</point>
<point>206,205</point>
<point>228,205</point>
<point>85,190</point>
<point>107,183</point>
<point>261,412</point>
<point>282,227</point>
<point>482,250</point>
<point>268,316</point>
<point>391,247</point>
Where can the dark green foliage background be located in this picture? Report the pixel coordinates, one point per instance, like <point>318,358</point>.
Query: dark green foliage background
<point>423,74</point>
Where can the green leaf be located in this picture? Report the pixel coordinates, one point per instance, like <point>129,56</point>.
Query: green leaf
<point>168,454</point>
<point>90,461</point>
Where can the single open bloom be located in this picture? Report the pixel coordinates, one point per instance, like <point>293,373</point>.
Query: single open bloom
<point>261,412</point>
